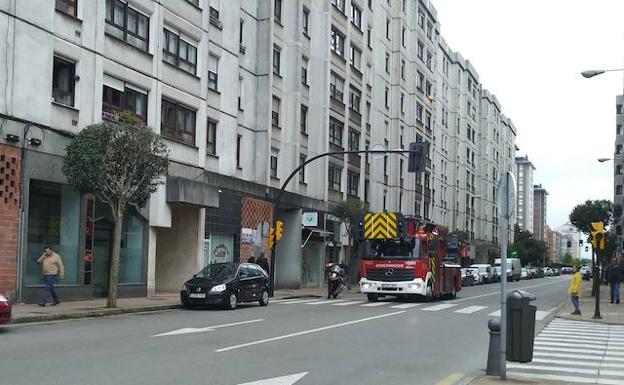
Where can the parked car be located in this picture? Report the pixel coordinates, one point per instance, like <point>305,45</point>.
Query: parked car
<point>226,284</point>
<point>484,271</point>
<point>548,271</point>
<point>524,274</point>
<point>532,272</point>
<point>468,279</point>
<point>566,270</point>
<point>586,272</point>
<point>5,308</point>
<point>556,271</point>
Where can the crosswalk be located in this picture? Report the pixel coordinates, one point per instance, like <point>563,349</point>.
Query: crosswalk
<point>444,306</point>
<point>576,352</point>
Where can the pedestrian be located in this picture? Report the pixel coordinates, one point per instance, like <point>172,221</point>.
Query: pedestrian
<point>51,267</point>
<point>614,276</point>
<point>575,288</point>
<point>251,259</point>
<point>263,262</point>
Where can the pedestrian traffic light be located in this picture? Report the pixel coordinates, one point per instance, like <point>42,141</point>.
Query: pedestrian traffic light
<point>418,152</point>
<point>271,238</point>
<point>279,227</point>
<point>597,235</point>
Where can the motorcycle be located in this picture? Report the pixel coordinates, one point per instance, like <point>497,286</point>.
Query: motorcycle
<point>336,280</point>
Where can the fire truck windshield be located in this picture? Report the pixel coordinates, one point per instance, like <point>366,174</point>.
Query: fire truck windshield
<point>392,249</point>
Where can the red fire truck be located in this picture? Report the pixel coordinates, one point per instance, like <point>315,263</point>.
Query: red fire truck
<point>405,258</point>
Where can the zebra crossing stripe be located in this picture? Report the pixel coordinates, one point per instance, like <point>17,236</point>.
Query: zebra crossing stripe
<point>554,377</point>
<point>347,303</point>
<point>375,304</point>
<point>585,341</point>
<point>577,363</point>
<point>599,357</point>
<point>470,309</point>
<point>569,344</point>
<point>565,369</point>
<point>406,305</point>
<point>440,307</point>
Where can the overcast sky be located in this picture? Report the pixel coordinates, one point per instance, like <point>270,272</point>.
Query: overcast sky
<point>530,53</point>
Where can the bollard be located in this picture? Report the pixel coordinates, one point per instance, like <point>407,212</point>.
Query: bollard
<point>493,362</point>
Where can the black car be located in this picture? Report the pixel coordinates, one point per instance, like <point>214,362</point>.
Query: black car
<point>226,284</point>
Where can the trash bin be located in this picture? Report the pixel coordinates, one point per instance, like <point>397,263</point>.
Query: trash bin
<point>520,326</point>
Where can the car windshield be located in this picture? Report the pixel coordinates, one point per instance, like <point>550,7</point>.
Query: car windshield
<point>219,272</point>
<point>393,249</point>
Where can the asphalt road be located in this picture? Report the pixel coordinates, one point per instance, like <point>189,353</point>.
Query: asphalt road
<point>341,342</point>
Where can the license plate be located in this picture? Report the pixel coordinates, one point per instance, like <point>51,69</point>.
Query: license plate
<point>390,286</point>
<point>197,295</point>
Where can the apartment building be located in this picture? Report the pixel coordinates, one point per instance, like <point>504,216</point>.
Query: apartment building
<point>474,146</point>
<point>524,204</point>
<point>540,212</point>
<point>618,166</point>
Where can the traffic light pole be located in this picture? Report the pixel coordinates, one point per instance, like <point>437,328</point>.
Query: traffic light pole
<point>280,193</point>
<point>596,283</point>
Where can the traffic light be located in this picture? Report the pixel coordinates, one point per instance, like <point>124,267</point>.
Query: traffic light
<point>586,248</point>
<point>597,235</point>
<point>418,152</point>
<point>271,238</point>
<point>580,242</point>
<point>279,227</point>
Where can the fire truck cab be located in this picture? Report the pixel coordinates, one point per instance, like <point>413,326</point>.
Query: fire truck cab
<point>405,258</point>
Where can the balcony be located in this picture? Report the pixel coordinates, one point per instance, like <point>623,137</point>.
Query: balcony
<point>354,160</point>
<point>427,192</point>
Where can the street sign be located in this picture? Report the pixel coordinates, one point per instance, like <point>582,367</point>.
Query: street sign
<point>506,195</point>
<point>309,219</point>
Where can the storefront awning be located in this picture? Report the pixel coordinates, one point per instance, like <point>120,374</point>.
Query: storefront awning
<point>314,230</point>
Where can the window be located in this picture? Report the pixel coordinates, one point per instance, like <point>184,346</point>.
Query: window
<point>356,16</point>
<point>239,139</point>
<point>388,29</point>
<point>618,109</point>
<point>67,7</point>
<point>119,97</point>
<point>387,62</point>
<point>618,129</point>
<point>421,19</point>
<point>211,137</point>
<point>404,6</point>
<point>336,87</point>
<point>421,50</point>
<point>277,53</point>
<point>274,156</point>
<point>618,149</point>
<point>194,2</point>
<point>179,52</point>
<point>355,57</point>
<point>213,75</point>
<point>335,175</point>
<point>420,82</point>
<point>335,131</point>
<point>302,177</point>
<point>275,112</point>
<point>340,4</point>
<point>177,122</point>
<point>419,113</point>
<point>304,119</point>
<point>387,97</point>
<point>429,59</point>
<point>277,11</point>
<point>429,90</point>
<point>214,15</point>
<point>355,97</point>
<point>353,183</point>
<point>402,69</point>
<point>304,71</point>
<point>369,37</point>
<point>337,42</point>
<point>305,21</point>
<point>354,140</point>
<point>240,93</point>
<point>429,31</point>
<point>127,24</point>
<point>63,81</point>
<point>403,40</point>
<point>402,102</point>
<point>618,189</point>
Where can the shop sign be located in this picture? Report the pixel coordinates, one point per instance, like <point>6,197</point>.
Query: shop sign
<point>247,236</point>
<point>309,219</point>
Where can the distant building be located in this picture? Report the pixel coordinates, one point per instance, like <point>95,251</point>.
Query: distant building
<point>550,244</point>
<point>524,174</point>
<point>618,175</point>
<point>539,212</point>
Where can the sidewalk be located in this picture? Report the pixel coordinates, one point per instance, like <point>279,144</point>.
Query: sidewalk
<point>494,380</point>
<point>612,314</point>
<point>26,313</point>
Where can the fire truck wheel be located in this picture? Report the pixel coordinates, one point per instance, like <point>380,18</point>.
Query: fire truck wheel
<point>372,297</point>
<point>429,293</point>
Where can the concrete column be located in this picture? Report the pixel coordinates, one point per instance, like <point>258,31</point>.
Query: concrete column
<point>151,261</point>
<point>201,234</point>
<point>289,254</point>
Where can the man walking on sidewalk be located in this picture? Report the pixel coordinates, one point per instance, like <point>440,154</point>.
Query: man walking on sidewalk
<point>614,276</point>
<point>51,266</point>
<point>575,288</point>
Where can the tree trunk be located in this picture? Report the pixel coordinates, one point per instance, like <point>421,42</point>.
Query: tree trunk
<point>113,272</point>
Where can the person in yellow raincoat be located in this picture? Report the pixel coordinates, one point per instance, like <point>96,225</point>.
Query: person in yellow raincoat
<point>575,288</point>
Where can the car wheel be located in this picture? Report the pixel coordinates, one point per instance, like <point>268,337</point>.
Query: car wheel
<point>429,293</point>
<point>264,298</point>
<point>372,297</point>
<point>231,301</point>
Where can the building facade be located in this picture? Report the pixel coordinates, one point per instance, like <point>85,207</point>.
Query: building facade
<point>618,166</point>
<point>524,204</point>
<point>540,212</point>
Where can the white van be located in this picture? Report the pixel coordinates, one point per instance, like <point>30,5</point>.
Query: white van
<point>514,268</point>
<point>486,273</point>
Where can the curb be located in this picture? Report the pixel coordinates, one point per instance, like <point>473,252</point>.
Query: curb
<point>88,314</point>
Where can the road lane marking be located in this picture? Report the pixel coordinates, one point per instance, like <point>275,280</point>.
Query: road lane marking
<point>439,307</point>
<point>324,302</point>
<point>496,313</point>
<point>613,373</point>
<point>406,305</point>
<point>347,303</point>
<point>284,380</point>
<point>470,309</point>
<point>451,379</point>
<point>298,301</point>
<point>541,314</point>
<point>374,304</point>
<point>309,331</point>
<point>204,329</point>
<point>509,291</point>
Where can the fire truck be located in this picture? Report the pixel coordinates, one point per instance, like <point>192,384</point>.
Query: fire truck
<point>405,258</point>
